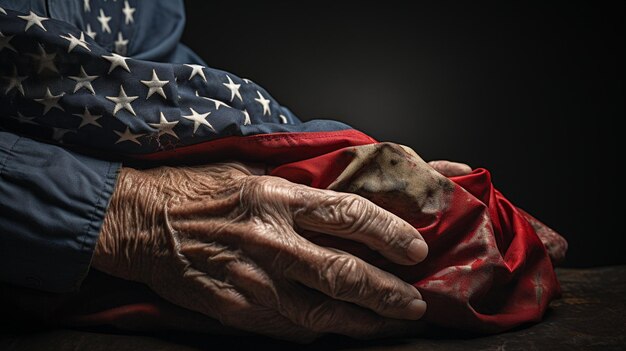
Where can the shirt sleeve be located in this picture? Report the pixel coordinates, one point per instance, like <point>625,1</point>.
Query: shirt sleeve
<point>52,204</point>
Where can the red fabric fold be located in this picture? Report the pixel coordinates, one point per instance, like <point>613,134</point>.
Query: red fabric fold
<point>486,271</point>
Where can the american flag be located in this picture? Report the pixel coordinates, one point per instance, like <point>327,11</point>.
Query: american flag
<point>76,86</point>
<point>82,87</point>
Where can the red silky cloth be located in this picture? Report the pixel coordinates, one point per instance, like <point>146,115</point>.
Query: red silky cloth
<point>487,270</point>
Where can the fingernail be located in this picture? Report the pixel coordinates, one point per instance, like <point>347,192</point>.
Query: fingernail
<point>418,249</point>
<point>416,309</point>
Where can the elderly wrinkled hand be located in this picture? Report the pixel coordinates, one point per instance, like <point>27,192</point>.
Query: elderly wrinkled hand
<point>232,245</point>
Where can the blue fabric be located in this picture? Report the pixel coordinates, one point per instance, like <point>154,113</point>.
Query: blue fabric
<point>52,203</point>
<point>162,24</point>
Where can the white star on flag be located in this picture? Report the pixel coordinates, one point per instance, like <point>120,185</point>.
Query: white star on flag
<point>4,42</point>
<point>104,21</point>
<point>198,119</point>
<point>59,133</point>
<point>32,18</point>
<point>246,119</point>
<point>90,32</point>
<point>117,60</point>
<point>264,102</point>
<point>196,69</point>
<point>216,102</point>
<point>45,60</point>
<point>87,118</point>
<point>128,12</point>
<point>121,44</point>
<point>234,89</point>
<point>84,81</point>
<point>24,119</point>
<point>15,81</point>
<point>155,85</point>
<point>75,41</point>
<point>122,101</point>
<point>50,101</point>
<point>128,136</point>
<point>165,127</point>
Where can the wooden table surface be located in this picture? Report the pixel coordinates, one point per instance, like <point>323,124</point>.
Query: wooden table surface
<point>591,315</point>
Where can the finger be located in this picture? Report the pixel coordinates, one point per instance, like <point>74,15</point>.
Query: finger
<point>230,301</point>
<point>322,314</point>
<point>266,321</point>
<point>450,169</point>
<point>353,217</point>
<point>234,268</point>
<point>345,277</point>
<point>260,289</point>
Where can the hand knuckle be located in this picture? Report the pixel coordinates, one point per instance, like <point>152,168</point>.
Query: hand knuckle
<point>392,234</point>
<point>344,276</point>
<point>390,299</point>
<point>355,213</point>
<point>266,196</point>
<point>260,185</point>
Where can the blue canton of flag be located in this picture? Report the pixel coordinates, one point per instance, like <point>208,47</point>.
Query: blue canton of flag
<point>77,86</point>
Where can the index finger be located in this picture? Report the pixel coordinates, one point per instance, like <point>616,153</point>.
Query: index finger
<point>348,278</point>
<point>350,216</point>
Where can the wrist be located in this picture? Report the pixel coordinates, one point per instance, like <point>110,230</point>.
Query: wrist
<point>135,235</point>
<point>120,249</point>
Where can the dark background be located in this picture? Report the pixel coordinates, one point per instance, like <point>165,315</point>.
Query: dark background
<point>533,92</point>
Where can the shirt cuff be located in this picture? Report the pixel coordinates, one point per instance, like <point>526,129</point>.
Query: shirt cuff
<point>52,205</point>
